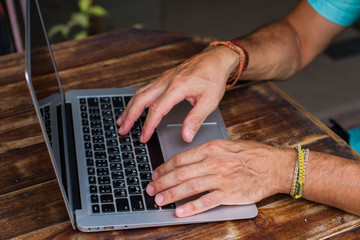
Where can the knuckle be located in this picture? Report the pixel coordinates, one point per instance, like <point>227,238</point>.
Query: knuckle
<point>180,174</point>
<point>214,146</point>
<point>193,185</point>
<point>170,195</point>
<point>178,160</point>
<point>154,107</point>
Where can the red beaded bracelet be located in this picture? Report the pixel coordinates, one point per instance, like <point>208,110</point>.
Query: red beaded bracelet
<point>243,56</point>
<point>237,43</point>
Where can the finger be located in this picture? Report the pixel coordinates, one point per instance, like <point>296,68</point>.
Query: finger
<point>188,157</point>
<point>196,117</point>
<point>138,103</point>
<point>205,202</point>
<point>181,175</point>
<point>140,90</point>
<point>186,189</point>
<point>158,109</point>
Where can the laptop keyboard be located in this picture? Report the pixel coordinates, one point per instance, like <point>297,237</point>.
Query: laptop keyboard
<point>118,167</point>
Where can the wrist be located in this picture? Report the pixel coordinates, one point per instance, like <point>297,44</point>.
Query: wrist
<point>284,170</point>
<point>229,58</point>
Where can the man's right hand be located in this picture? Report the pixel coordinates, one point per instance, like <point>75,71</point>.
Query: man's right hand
<point>201,80</point>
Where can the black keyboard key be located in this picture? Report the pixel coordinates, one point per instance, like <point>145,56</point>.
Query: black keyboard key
<point>137,203</point>
<point>110,135</point>
<point>85,122</point>
<point>142,159</point>
<point>122,205</point>
<point>111,143</point>
<point>93,189</point>
<point>115,167</point>
<point>119,184</point>
<point>105,106</point>
<point>83,108</point>
<point>117,175</point>
<point>140,151</point>
<point>150,202</point>
<point>91,171</point>
<point>132,181</point>
<point>144,184</point>
<point>95,117</point>
<point>113,150</point>
<point>86,137</point>
<point>127,155</point>
<point>98,139</point>
<point>143,167</point>
<point>100,155</point>
<point>94,111</point>
<point>88,153</point>
<point>94,198</point>
<point>96,131</point>
<point>102,171</point>
<point>107,113</point>
<point>129,164</point>
<point>134,190</point>
<point>146,176</point>
<point>92,180</point>
<point>104,180</point>
<point>86,130</point>
<point>126,148</point>
<point>107,208</point>
<point>109,128</point>
<point>96,208</point>
<point>114,158</point>
<point>120,193</point>
<point>106,198</point>
<point>82,101</point>
<point>87,145</point>
<point>99,147</point>
<point>104,100</point>
<point>93,102</point>
<point>131,172</point>
<point>125,140</point>
<point>96,124</point>
<point>101,163</point>
<point>105,189</point>
<point>137,143</point>
<point>89,162</point>
<point>117,102</point>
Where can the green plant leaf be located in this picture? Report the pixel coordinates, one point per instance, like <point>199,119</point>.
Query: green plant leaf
<point>59,28</point>
<point>98,11</point>
<point>80,19</point>
<point>81,34</point>
<point>85,5</point>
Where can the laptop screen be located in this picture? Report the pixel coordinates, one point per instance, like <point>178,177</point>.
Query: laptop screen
<point>46,91</point>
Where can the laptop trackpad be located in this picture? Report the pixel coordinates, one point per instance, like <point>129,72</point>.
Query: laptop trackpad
<point>173,143</point>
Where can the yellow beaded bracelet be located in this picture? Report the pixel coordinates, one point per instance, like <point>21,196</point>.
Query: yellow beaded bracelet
<point>299,172</point>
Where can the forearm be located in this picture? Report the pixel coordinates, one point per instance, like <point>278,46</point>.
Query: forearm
<point>333,181</point>
<point>274,52</point>
<point>329,179</point>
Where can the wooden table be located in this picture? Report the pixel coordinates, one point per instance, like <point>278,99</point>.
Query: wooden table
<point>31,206</point>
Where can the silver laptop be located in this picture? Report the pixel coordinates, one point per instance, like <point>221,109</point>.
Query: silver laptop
<point>102,175</point>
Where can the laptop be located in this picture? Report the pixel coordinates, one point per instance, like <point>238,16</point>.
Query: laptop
<point>102,175</point>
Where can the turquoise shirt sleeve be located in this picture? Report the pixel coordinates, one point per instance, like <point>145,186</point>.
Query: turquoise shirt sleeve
<point>342,12</point>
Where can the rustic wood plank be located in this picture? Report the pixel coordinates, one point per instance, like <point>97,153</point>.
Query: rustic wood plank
<point>25,167</point>
<point>31,208</point>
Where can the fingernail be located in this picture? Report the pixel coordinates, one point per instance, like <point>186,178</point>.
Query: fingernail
<point>190,134</point>
<point>155,175</point>
<point>150,189</point>
<point>159,199</point>
<point>180,210</point>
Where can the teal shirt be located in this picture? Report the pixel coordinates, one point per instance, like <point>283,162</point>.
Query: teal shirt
<point>342,12</point>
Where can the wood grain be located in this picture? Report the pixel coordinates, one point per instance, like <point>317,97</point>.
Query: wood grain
<point>30,200</point>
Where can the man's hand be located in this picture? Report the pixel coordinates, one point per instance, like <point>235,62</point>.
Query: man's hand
<point>231,172</point>
<point>201,80</point>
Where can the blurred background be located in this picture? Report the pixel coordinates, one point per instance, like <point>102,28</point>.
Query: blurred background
<point>328,88</point>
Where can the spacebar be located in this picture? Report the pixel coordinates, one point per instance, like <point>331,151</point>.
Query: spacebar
<point>156,156</point>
